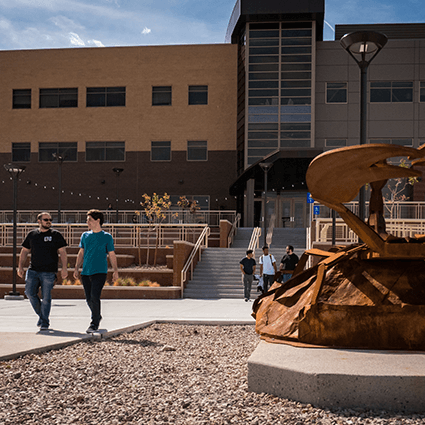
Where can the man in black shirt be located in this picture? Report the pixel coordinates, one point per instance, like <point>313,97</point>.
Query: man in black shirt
<point>247,265</point>
<point>288,263</point>
<point>44,244</point>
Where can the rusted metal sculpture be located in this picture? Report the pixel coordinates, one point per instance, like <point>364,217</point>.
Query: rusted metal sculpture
<point>368,295</point>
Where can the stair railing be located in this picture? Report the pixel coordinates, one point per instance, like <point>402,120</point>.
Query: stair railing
<point>255,239</point>
<point>233,230</point>
<point>202,242</point>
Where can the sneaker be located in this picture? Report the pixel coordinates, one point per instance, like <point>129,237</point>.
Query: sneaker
<point>91,329</point>
<point>44,328</point>
<point>246,300</point>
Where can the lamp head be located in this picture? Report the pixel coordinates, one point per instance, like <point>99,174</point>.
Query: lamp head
<point>14,170</point>
<point>363,46</point>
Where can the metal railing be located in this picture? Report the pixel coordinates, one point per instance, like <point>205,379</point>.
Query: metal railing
<point>396,227</point>
<point>202,242</point>
<point>254,243</point>
<point>125,235</point>
<point>233,230</point>
<point>392,210</point>
<point>174,216</point>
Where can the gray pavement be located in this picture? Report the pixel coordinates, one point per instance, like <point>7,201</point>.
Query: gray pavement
<point>69,319</point>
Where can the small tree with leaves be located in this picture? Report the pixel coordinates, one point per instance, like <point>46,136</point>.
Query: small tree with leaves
<point>192,205</point>
<point>154,208</point>
<point>395,190</point>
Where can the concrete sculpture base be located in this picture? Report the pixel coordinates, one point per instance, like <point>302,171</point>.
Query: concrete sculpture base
<point>340,378</point>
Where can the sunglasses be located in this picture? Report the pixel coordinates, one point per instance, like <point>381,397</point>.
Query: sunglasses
<point>47,219</point>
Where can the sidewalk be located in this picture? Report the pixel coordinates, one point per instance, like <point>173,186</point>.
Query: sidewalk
<point>69,320</point>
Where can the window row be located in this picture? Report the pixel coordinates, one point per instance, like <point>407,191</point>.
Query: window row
<point>101,97</point>
<point>339,143</point>
<point>102,151</point>
<point>380,92</point>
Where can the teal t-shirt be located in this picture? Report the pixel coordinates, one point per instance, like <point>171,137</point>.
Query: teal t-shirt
<point>96,247</point>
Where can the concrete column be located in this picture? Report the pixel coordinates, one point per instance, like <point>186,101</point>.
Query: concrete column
<point>249,212</point>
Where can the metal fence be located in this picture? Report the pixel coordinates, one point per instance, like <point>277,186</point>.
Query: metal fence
<point>343,234</point>
<point>210,217</point>
<point>128,235</point>
<point>392,210</point>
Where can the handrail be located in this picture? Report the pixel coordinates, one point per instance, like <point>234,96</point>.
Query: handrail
<point>125,235</point>
<point>233,230</point>
<point>172,216</point>
<point>255,239</point>
<point>203,237</point>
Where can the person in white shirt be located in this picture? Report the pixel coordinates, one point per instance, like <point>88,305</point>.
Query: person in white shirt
<point>268,268</point>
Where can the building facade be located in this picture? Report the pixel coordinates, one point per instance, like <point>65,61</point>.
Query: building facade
<point>200,120</point>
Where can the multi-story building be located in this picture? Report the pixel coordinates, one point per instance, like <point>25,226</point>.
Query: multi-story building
<point>198,120</point>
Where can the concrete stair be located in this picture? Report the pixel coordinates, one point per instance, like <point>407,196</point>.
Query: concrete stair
<point>242,237</point>
<point>287,236</point>
<point>218,275</point>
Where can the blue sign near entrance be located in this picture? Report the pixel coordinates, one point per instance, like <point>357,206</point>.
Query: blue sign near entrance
<point>310,200</point>
<point>316,209</point>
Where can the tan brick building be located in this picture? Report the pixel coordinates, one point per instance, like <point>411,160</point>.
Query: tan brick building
<point>166,115</point>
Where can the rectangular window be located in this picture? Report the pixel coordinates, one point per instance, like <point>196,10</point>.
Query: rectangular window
<point>105,96</point>
<point>68,150</point>
<point>198,95</point>
<point>400,142</point>
<point>105,151</point>
<point>391,92</point>
<point>335,143</point>
<point>197,151</point>
<point>160,151</point>
<point>21,152</point>
<point>422,91</point>
<point>22,99</point>
<point>161,95</point>
<point>336,92</point>
<point>59,98</point>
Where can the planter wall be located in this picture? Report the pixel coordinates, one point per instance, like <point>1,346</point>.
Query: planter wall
<point>108,293</point>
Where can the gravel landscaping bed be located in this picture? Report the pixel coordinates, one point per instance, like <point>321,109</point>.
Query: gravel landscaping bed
<point>163,374</point>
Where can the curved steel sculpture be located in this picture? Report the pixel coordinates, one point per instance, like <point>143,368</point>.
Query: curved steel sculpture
<point>368,295</point>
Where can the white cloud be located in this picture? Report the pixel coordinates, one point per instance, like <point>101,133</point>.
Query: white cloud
<point>75,39</point>
<point>65,23</point>
<point>146,30</point>
<point>97,43</point>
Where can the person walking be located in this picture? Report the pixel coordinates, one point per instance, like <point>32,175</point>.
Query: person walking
<point>44,244</point>
<point>288,263</point>
<point>95,246</point>
<point>248,266</point>
<point>268,268</point>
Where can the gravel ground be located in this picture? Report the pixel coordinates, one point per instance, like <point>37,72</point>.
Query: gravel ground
<point>163,374</point>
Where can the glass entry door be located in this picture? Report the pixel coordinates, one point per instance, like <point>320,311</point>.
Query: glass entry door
<point>293,212</point>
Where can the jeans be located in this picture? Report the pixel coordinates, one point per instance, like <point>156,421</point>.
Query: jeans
<point>286,277</point>
<point>93,286</point>
<point>33,281</point>
<point>247,284</point>
<point>268,279</point>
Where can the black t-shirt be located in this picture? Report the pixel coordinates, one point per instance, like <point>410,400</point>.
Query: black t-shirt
<point>248,265</point>
<point>289,261</point>
<point>44,249</point>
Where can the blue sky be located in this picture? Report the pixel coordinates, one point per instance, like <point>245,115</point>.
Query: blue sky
<point>35,24</point>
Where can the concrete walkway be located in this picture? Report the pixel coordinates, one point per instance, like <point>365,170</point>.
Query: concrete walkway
<point>69,319</point>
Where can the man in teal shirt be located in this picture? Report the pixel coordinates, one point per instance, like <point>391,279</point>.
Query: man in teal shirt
<point>95,246</point>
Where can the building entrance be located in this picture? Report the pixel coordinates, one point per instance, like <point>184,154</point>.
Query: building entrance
<point>282,211</point>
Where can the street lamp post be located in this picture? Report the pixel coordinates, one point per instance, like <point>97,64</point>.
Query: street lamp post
<point>117,172</point>
<point>363,46</point>
<point>266,167</point>
<point>59,159</point>
<point>15,172</point>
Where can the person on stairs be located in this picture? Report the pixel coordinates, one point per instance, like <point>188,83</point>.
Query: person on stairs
<point>268,268</point>
<point>248,266</point>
